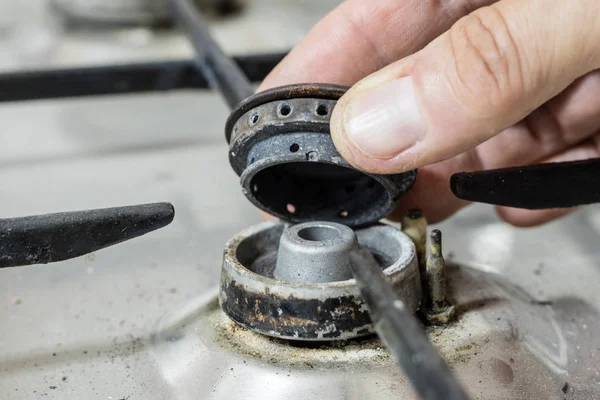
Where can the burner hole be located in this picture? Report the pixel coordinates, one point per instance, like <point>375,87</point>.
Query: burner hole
<point>319,233</point>
<point>254,118</point>
<point>294,147</point>
<point>285,110</point>
<point>343,213</point>
<point>312,156</point>
<point>252,161</point>
<point>322,109</point>
<point>290,208</point>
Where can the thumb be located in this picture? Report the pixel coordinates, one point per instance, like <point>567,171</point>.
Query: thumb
<point>490,70</point>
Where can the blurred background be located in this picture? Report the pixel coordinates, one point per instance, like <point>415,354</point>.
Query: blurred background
<point>73,33</point>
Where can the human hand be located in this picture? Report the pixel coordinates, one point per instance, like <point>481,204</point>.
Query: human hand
<point>513,82</point>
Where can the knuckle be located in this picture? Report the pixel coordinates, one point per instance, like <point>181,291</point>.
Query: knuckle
<point>487,71</point>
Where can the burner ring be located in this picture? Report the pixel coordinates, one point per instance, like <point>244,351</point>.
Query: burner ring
<point>280,147</point>
<point>309,311</point>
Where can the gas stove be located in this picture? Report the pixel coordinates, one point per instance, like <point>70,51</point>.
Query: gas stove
<point>154,317</point>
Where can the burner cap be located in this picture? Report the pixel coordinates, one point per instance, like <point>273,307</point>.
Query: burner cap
<point>281,148</point>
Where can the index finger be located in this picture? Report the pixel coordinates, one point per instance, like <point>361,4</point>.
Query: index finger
<point>360,37</point>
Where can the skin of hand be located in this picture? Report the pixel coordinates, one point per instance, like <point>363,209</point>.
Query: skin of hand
<point>457,85</point>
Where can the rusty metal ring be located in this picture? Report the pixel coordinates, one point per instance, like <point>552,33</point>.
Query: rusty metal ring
<point>309,311</point>
<point>323,91</point>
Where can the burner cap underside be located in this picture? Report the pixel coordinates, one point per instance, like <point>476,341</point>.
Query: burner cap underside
<point>281,148</point>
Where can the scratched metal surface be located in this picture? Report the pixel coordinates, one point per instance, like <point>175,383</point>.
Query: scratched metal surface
<point>139,320</point>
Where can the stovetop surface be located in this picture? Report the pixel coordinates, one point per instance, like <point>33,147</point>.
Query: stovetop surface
<point>139,320</point>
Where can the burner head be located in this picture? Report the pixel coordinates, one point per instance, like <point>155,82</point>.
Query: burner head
<point>312,252</point>
<point>281,148</point>
<point>294,282</point>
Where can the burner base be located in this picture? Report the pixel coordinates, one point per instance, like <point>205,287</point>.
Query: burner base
<point>317,311</point>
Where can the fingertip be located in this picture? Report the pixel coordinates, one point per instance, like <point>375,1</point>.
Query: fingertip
<point>266,217</point>
<point>522,218</point>
<point>340,138</point>
<point>336,125</point>
<point>431,194</point>
<point>351,144</point>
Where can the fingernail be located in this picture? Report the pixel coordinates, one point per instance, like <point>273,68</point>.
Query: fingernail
<point>385,121</point>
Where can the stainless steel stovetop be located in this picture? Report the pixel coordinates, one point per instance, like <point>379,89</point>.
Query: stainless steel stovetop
<point>141,320</point>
